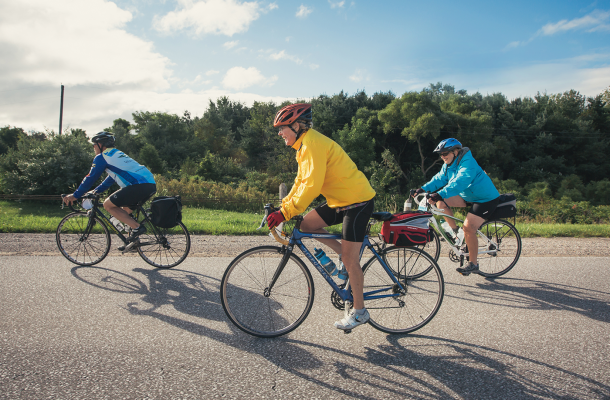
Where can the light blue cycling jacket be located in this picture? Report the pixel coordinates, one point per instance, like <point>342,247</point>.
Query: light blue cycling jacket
<point>464,178</point>
<point>120,168</point>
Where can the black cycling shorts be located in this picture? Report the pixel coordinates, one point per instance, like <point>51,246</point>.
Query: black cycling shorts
<point>355,220</point>
<point>130,196</point>
<point>484,210</point>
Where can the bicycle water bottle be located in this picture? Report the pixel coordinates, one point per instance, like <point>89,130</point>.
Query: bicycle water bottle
<point>117,224</point>
<point>342,274</point>
<point>408,204</point>
<point>447,228</point>
<point>460,237</point>
<point>327,263</point>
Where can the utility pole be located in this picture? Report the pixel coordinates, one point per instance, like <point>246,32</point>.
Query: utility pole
<point>61,108</point>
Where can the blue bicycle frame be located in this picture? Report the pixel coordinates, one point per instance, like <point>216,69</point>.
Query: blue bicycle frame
<point>344,293</point>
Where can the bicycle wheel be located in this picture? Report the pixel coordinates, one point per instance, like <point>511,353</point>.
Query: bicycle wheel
<point>252,307</point>
<point>505,244</point>
<point>79,244</point>
<point>164,248</point>
<point>417,304</point>
<point>433,248</point>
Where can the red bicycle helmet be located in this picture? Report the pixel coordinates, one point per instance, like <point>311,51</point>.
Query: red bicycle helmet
<point>293,113</point>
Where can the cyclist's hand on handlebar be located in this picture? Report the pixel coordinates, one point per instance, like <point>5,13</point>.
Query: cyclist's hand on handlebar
<point>274,219</point>
<point>69,199</point>
<point>434,197</point>
<point>415,192</point>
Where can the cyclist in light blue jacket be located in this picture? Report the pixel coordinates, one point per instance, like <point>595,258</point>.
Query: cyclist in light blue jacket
<point>460,181</point>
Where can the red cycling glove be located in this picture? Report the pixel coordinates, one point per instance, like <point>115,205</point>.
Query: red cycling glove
<point>274,219</point>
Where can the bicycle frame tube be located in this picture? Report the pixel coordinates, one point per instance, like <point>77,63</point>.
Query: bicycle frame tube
<point>344,293</point>
<point>103,217</point>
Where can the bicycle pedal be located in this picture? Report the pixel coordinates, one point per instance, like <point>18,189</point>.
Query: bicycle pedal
<point>346,331</point>
<point>129,247</point>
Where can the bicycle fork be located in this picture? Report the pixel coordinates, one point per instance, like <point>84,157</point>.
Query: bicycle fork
<point>278,271</point>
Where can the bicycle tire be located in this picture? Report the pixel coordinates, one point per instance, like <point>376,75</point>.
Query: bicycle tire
<point>420,301</point>
<point>79,247</point>
<point>164,247</point>
<point>248,304</point>
<point>506,239</point>
<point>433,248</point>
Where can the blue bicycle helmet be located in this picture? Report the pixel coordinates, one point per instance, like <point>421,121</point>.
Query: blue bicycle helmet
<point>448,145</point>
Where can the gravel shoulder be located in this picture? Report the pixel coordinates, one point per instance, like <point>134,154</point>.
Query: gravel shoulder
<point>43,244</point>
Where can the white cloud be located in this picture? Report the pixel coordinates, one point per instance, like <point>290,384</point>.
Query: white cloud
<point>75,42</point>
<point>212,72</point>
<point>239,78</point>
<point>221,17</point>
<point>230,45</point>
<point>359,75</point>
<point>595,21</point>
<point>336,4</point>
<point>314,66</point>
<point>272,6</point>
<point>303,11</point>
<point>283,56</point>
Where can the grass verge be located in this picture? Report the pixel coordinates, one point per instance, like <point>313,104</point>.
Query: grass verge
<point>43,217</point>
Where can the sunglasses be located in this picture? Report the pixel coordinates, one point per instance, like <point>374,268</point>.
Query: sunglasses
<point>445,154</point>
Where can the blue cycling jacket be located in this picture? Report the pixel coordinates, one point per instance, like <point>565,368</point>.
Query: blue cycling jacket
<point>464,178</point>
<point>121,169</point>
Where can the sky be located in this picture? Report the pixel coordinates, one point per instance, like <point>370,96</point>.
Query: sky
<point>118,57</point>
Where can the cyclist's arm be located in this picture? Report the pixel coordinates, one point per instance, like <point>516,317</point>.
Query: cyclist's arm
<point>463,178</point>
<point>104,185</point>
<point>438,181</point>
<point>312,171</point>
<point>97,169</point>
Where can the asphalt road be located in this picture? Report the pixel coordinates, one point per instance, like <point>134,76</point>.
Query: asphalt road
<point>124,330</point>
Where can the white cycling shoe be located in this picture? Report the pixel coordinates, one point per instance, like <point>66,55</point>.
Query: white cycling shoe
<point>353,320</point>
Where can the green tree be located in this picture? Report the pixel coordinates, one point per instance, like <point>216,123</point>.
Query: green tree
<point>149,156</point>
<point>52,166</point>
<point>416,117</point>
<point>9,137</point>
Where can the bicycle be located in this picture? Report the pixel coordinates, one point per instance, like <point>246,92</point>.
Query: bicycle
<point>83,237</point>
<point>499,242</point>
<point>268,291</point>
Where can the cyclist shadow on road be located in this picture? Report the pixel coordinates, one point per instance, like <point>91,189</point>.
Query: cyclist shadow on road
<point>539,295</point>
<point>405,366</point>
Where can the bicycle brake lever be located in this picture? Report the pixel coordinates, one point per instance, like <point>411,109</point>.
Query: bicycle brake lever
<point>268,208</point>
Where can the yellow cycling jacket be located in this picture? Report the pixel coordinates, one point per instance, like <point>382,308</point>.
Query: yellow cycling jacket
<point>324,168</point>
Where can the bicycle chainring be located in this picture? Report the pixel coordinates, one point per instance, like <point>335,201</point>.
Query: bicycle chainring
<point>454,257</point>
<point>337,301</point>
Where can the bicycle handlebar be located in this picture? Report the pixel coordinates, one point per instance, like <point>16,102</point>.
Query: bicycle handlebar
<point>91,196</point>
<point>268,210</point>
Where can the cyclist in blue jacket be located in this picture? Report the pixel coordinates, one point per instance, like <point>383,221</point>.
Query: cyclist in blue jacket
<point>461,180</point>
<point>136,181</point>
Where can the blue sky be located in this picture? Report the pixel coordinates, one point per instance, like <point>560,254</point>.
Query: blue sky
<point>118,57</point>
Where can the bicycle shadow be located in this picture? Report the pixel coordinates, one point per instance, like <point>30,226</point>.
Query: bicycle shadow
<point>539,295</point>
<point>406,366</point>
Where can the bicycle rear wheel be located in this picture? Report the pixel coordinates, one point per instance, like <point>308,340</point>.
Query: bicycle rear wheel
<point>80,244</point>
<point>164,248</point>
<point>421,298</point>
<point>252,307</point>
<point>505,244</point>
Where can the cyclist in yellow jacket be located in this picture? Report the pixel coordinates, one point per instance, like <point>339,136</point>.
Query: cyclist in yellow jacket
<point>325,168</point>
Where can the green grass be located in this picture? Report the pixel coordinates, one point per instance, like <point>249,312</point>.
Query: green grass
<point>43,217</point>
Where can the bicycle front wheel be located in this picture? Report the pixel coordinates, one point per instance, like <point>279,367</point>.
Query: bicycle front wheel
<point>80,242</point>
<point>164,248</point>
<point>258,310</point>
<point>433,248</point>
<point>416,303</point>
<point>501,243</point>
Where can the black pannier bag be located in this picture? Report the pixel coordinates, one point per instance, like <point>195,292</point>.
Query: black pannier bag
<point>406,229</point>
<point>507,207</point>
<point>166,211</point>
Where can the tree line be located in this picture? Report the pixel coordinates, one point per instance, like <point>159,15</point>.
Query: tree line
<point>549,145</point>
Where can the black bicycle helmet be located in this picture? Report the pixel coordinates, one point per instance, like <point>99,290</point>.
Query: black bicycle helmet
<point>448,145</point>
<point>106,139</point>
